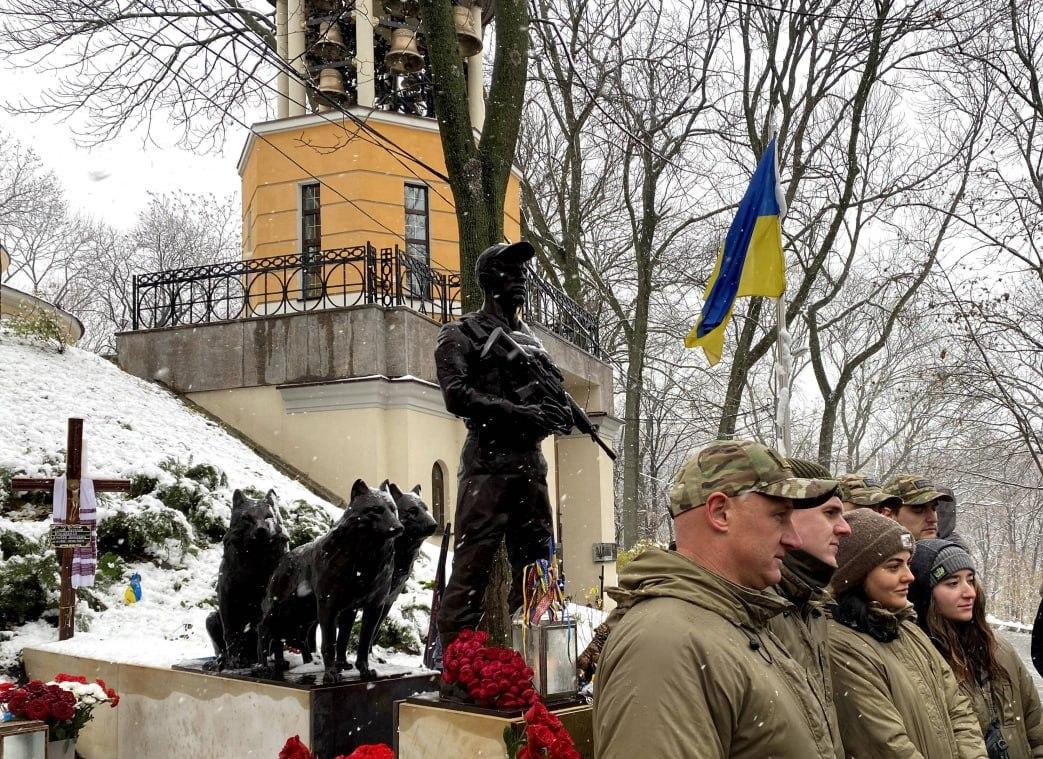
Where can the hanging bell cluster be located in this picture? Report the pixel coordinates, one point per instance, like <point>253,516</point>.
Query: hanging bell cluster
<point>328,50</point>
<point>401,27</point>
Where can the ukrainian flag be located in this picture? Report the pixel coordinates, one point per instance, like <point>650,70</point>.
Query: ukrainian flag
<point>751,261</point>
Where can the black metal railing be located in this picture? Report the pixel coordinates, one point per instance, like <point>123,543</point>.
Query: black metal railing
<point>337,278</point>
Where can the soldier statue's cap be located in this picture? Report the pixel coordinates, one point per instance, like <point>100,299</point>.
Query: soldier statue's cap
<point>513,253</point>
<point>917,490</point>
<point>734,467</point>
<point>865,490</point>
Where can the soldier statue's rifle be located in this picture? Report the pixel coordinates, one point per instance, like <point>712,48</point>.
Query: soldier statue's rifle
<point>543,382</point>
<point>433,649</point>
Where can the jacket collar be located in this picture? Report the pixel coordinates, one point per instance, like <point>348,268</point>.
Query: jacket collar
<point>667,574</point>
<point>804,578</point>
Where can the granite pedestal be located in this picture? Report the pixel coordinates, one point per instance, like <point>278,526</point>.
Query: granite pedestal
<point>185,711</point>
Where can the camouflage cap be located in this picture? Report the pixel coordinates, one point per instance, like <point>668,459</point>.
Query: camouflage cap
<point>917,490</point>
<point>734,467</point>
<point>865,490</point>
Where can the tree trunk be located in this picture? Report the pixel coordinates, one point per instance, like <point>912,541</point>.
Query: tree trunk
<point>497,618</point>
<point>632,428</point>
<point>741,364</point>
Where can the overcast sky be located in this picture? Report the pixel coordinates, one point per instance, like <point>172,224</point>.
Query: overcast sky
<point>111,181</point>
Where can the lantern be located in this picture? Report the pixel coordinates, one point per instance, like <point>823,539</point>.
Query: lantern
<point>550,649</point>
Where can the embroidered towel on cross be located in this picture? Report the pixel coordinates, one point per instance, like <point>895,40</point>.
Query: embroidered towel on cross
<point>84,560</point>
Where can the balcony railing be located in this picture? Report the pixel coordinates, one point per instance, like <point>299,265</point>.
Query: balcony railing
<point>359,275</point>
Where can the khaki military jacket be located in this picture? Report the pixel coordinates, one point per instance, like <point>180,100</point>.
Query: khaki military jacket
<point>1018,701</point>
<point>804,630</point>
<point>899,699</point>
<point>690,671</point>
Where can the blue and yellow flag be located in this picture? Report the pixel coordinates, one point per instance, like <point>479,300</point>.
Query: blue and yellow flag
<point>751,260</point>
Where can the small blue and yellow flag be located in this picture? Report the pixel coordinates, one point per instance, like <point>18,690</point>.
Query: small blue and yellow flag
<point>751,261</point>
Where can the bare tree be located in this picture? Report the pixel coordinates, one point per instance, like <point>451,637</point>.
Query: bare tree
<point>824,78</point>
<point>124,65</point>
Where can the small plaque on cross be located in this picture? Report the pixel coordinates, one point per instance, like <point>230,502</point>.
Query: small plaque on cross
<point>70,535</point>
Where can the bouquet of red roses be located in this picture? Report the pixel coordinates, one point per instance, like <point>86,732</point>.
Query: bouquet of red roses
<point>545,737</point>
<point>492,677</point>
<point>295,749</point>
<point>65,703</point>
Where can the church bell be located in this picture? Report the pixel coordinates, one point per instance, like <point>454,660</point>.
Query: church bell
<point>404,56</point>
<point>330,46</point>
<point>331,85</point>
<point>469,39</point>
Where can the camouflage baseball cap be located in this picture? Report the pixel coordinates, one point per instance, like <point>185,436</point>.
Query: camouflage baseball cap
<point>917,490</point>
<point>734,467</point>
<point>865,490</point>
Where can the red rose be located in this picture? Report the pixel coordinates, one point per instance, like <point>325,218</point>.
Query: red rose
<point>62,711</point>
<point>294,749</point>
<point>540,737</point>
<point>37,709</point>
<point>5,686</point>
<point>17,703</point>
<point>371,751</point>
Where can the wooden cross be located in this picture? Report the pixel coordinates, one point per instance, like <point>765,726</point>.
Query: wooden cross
<point>73,454</point>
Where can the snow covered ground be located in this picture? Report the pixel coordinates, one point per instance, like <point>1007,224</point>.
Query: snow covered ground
<point>131,428</point>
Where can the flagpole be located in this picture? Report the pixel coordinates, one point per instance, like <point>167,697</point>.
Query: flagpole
<point>783,341</point>
<point>783,369</point>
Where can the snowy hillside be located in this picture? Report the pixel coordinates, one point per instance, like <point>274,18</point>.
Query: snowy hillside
<point>184,469</point>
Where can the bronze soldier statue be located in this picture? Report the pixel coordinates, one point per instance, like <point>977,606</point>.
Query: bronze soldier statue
<point>495,374</point>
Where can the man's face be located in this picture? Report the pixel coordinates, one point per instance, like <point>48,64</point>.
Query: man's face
<point>761,534</point>
<point>921,521</point>
<point>820,529</point>
<point>507,284</point>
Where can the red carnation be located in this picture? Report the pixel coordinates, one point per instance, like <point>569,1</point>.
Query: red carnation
<point>37,709</point>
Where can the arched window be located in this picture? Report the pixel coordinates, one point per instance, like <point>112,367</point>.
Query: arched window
<point>438,493</point>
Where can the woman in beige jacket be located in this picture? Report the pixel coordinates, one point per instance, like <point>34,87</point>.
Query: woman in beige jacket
<point>950,608</point>
<point>895,695</point>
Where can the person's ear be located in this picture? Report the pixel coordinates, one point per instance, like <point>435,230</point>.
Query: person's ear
<point>718,511</point>
<point>888,512</point>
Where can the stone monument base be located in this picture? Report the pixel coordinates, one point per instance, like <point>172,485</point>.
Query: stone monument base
<point>429,728</point>
<point>185,711</point>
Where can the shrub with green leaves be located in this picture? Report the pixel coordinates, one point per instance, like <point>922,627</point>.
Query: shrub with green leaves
<point>15,544</point>
<point>305,523</point>
<point>28,588</point>
<point>111,570</point>
<point>40,325</point>
<point>154,534</point>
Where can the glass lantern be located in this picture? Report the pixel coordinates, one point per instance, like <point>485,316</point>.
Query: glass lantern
<point>550,649</point>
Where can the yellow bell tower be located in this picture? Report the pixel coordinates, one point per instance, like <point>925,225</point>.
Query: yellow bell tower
<point>322,178</point>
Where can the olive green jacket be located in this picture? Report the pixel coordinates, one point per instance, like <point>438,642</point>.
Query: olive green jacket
<point>804,630</point>
<point>1018,700</point>
<point>690,671</point>
<point>899,699</point>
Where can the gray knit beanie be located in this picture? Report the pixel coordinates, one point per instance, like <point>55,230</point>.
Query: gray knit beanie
<point>937,559</point>
<point>873,539</point>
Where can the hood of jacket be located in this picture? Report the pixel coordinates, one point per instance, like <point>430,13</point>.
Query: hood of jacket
<point>658,573</point>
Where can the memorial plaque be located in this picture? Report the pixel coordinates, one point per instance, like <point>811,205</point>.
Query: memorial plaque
<point>70,535</point>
